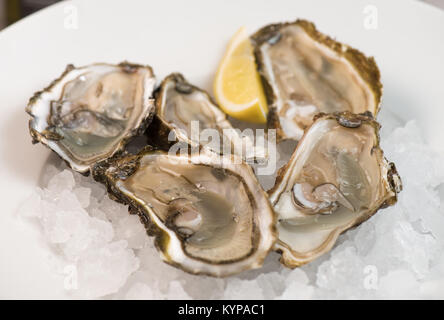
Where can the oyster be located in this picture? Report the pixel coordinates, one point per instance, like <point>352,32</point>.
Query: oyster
<point>305,72</point>
<point>336,178</point>
<point>90,113</point>
<point>206,218</point>
<point>195,119</point>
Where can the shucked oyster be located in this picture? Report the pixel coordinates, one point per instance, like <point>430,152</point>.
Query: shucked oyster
<point>336,179</point>
<point>305,72</point>
<point>89,113</point>
<point>207,218</point>
<point>194,118</point>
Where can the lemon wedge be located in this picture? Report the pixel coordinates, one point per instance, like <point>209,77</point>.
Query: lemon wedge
<point>237,86</point>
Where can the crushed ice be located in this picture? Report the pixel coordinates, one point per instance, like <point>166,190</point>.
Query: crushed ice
<point>398,253</point>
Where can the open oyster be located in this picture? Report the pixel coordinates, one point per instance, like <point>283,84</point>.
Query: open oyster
<point>305,72</point>
<point>89,113</point>
<point>336,178</point>
<point>194,118</point>
<point>207,218</point>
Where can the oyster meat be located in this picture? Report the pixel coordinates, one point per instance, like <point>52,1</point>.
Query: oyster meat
<point>207,218</point>
<point>90,113</point>
<point>195,119</point>
<point>305,72</point>
<point>336,178</point>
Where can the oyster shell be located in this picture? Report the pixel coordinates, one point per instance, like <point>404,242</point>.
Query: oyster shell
<point>305,72</point>
<point>207,218</point>
<point>336,178</point>
<point>195,119</point>
<point>90,113</point>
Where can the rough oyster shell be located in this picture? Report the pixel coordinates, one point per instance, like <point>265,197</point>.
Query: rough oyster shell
<point>188,114</point>
<point>336,178</point>
<point>90,113</point>
<point>208,214</point>
<point>305,72</point>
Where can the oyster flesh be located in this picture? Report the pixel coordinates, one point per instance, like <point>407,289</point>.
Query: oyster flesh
<point>305,72</point>
<point>336,178</point>
<point>90,113</point>
<point>195,119</point>
<point>206,218</point>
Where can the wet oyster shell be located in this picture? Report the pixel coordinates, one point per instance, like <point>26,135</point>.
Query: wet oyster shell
<point>337,178</point>
<point>171,192</point>
<point>312,65</point>
<point>90,113</point>
<point>188,114</point>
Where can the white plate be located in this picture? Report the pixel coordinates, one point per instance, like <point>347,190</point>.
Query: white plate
<point>190,37</point>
